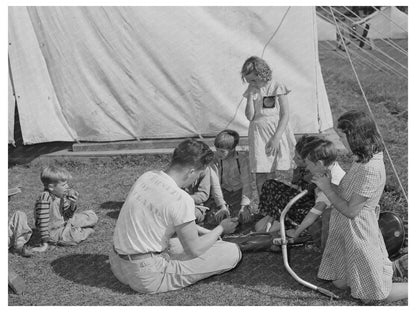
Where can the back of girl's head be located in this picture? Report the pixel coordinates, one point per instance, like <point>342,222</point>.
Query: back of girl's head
<point>192,153</point>
<point>362,135</point>
<point>227,139</point>
<point>54,174</point>
<point>303,141</point>
<point>257,66</point>
<point>323,150</point>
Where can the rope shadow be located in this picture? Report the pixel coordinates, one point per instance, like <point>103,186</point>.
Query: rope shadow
<point>89,269</point>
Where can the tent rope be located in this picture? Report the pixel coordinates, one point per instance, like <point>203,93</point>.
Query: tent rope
<point>388,40</point>
<point>275,32</point>
<point>377,59</point>
<point>369,109</point>
<point>264,49</point>
<point>376,49</point>
<point>390,19</point>
<point>359,59</point>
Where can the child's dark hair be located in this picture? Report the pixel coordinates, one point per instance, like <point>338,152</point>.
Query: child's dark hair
<point>323,150</point>
<point>362,135</point>
<point>192,153</point>
<point>53,174</point>
<point>302,142</point>
<point>258,66</point>
<point>227,139</point>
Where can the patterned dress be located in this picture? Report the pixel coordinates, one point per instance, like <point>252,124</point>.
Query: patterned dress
<point>355,251</point>
<point>275,195</point>
<point>262,128</point>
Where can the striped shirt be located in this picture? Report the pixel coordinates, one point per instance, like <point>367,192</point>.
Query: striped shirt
<point>51,212</point>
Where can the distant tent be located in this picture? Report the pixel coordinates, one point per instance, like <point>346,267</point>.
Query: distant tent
<point>126,73</point>
<point>326,30</point>
<point>389,22</point>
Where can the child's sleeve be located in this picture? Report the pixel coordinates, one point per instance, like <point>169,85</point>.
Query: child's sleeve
<point>245,177</point>
<point>280,89</point>
<point>366,182</point>
<point>42,208</point>
<point>320,198</point>
<point>68,208</point>
<point>216,186</point>
<point>202,193</point>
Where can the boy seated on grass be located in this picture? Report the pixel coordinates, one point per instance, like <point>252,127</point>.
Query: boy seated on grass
<point>231,178</point>
<point>320,158</point>
<point>55,216</point>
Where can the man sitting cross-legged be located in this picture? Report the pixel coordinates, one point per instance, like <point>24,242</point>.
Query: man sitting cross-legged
<point>146,255</point>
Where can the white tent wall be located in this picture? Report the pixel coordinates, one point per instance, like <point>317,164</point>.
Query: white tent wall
<point>389,22</point>
<point>120,73</point>
<point>40,115</point>
<point>326,30</point>
<point>11,112</point>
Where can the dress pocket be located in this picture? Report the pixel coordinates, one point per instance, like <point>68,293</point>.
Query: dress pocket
<point>269,101</point>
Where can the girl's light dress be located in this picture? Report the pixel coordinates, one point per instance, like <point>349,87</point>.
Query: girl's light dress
<point>355,250</point>
<point>262,128</point>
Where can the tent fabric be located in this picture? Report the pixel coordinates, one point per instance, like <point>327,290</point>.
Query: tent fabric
<point>122,73</point>
<point>389,22</point>
<point>11,112</point>
<point>326,30</point>
<point>41,119</point>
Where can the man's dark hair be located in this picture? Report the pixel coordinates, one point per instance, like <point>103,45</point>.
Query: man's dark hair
<point>362,135</point>
<point>192,153</point>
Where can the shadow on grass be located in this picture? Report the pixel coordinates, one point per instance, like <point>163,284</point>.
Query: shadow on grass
<point>89,269</point>
<point>115,206</point>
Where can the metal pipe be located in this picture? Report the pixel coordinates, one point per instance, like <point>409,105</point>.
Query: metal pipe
<point>283,242</point>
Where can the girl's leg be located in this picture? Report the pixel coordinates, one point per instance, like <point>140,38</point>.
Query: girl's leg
<point>398,291</point>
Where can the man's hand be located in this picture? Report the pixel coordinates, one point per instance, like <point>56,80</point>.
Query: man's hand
<point>41,248</point>
<point>229,225</point>
<point>224,212</point>
<point>244,214</point>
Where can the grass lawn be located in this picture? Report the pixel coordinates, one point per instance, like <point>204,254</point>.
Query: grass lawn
<point>81,275</point>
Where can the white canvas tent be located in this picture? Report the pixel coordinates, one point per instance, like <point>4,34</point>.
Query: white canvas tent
<point>389,22</point>
<point>125,73</point>
<point>326,30</point>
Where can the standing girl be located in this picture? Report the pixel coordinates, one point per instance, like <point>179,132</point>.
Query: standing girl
<point>355,255</point>
<point>271,140</point>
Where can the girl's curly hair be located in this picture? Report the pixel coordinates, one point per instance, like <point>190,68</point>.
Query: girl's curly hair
<point>258,66</point>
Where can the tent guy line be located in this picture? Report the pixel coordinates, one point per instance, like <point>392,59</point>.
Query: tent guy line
<point>370,110</point>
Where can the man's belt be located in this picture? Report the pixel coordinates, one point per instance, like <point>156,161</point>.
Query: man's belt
<point>138,256</point>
